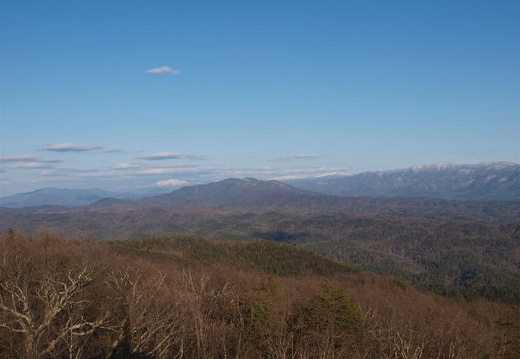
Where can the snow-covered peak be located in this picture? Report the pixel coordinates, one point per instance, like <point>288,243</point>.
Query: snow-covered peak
<point>433,166</point>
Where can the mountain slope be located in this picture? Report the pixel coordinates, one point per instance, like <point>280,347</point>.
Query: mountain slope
<point>484,181</point>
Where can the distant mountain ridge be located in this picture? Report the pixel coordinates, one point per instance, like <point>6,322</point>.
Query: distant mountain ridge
<point>60,197</point>
<point>483,181</point>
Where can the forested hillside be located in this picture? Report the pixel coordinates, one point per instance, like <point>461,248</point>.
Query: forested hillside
<point>455,248</point>
<point>186,297</point>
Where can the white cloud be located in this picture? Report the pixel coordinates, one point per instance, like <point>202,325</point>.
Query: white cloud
<point>303,156</point>
<point>52,172</point>
<point>316,173</point>
<point>163,70</point>
<point>157,171</point>
<point>127,166</point>
<point>30,165</point>
<point>18,158</point>
<point>289,177</point>
<point>171,183</point>
<point>166,170</point>
<point>68,147</point>
<point>159,156</point>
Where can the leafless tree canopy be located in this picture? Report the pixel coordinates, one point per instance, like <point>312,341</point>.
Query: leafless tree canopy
<point>72,299</point>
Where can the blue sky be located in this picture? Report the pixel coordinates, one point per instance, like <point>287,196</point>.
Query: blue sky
<point>128,95</point>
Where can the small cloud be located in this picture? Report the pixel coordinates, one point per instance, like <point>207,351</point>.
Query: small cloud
<point>30,165</point>
<point>170,156</point>
<point>162,156</point>
<point>112,150</point>
<point>27,159</point>
<point>166,170</point>
<point>163,70</point>
<point>461,152</point>
<point>304,156</point>
<point>19,158</point>
<point>52,173</point>
<point>171,183</point>
<point>127,166</point>
<point>289,177</point>
<point>84,170</point>
<point>157,171</point>
<point>69,147</point>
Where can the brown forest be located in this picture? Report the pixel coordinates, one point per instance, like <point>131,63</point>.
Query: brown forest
<point>187,297</point>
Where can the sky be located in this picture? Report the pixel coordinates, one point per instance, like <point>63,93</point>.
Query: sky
<point>137,95</point>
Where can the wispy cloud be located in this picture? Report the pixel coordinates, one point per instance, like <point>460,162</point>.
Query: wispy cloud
<point>316,173</point>
<point>176,169</point>
<point>113,150</point>
<point>26,162</point>
<point>163,70</point>
<point>157,171</point>
<point>127,166</point>
<point>69,147</point>
<point>461,152</point>
<point>303,156</point>
<point>19,158</point>
<point>30,165</point>
<point>170,156</point>
<point>278,173</point>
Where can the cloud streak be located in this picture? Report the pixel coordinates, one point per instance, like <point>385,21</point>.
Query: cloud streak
<point>19,158</point>
<point>160,156</point>
<point>127,166</point>
<point>165,170</point>
<point>69,147</point>
<point>30,165</point>
<point>303,156</point>
<point>26,162</point>
<point>163,70</point>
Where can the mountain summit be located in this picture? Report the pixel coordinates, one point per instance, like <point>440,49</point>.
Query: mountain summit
<point>234,191</point>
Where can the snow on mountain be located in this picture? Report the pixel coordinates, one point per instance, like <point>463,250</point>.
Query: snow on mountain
<point>483,181</point>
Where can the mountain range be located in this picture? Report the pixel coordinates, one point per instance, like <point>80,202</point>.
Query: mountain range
<point>496,181</point>
<point>483,181</point>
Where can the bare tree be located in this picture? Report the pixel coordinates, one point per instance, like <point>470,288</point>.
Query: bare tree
<point>36,302</point>
<point>148,323</point>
